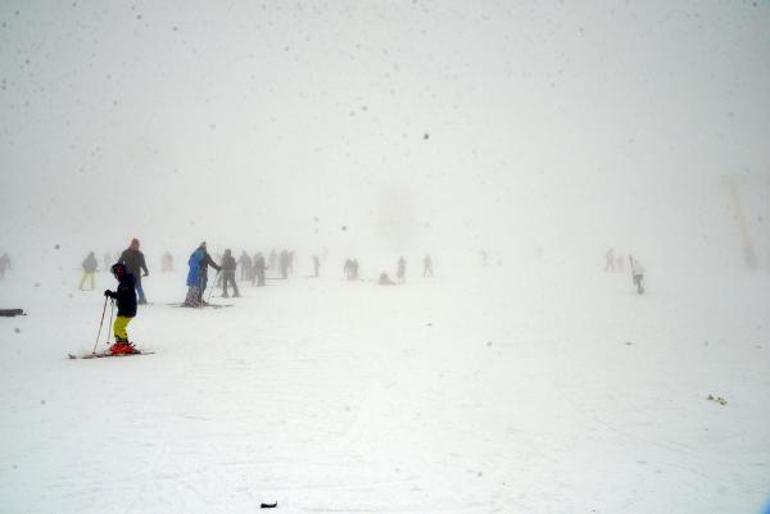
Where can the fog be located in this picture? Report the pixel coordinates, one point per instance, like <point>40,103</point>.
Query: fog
<point>548,130</point>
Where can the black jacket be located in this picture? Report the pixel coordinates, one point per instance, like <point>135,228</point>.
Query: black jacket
<point>134,261</point>
<point>228,263</point>
<point>206,262</point>
<point>125,296</point>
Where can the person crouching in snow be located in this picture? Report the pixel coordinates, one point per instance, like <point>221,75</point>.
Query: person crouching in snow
<point>126,300</point>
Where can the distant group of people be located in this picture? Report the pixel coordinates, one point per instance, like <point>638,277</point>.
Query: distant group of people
<point>616,263</point>
<point>427,271</point>
<point>131,257</point>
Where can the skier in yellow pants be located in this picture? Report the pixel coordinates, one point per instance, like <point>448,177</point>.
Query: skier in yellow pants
<point>126,299</point>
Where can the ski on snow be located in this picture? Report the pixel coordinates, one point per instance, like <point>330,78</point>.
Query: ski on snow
<point>104,355</point>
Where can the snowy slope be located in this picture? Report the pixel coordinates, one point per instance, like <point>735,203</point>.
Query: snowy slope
<point>526,391</point>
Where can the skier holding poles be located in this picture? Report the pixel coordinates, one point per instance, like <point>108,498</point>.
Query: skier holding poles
<point>125,297</point>
<point>197,277</point>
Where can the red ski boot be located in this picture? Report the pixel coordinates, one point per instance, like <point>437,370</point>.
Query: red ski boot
<point>122,348</point>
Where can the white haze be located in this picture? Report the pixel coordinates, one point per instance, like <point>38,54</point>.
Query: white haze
<point>526,129</point>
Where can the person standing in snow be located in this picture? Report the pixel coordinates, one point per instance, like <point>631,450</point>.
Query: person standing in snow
<point>258,273</point>
<point>126,300</point>
<point>89,268</point>
<point>193,298</point>
<point>246,266</point>
<point>133,258</point>
<point>637,273</point>
<point>427,266</point>
<point>284,262</point>
<point>401,273</point>
<point>204,270</point>
<point>228,274</point>
<point>609,260</point>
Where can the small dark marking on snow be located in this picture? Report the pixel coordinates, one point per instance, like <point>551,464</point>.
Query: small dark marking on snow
<point>18,330</point>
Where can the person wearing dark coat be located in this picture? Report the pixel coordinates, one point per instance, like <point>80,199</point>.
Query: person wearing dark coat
<point>205,262</point>
<point>427,263</point>
<point>89,268</point>
<point>125,297</point>
<point>228,274</point>
<point>134,261</point>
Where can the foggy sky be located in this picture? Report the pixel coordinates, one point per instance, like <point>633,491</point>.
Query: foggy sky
<point>417,125</point>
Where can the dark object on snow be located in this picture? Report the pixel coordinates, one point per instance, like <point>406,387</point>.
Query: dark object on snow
<point>9,313</point>
<point>385,280</point>
<point>268,505</point>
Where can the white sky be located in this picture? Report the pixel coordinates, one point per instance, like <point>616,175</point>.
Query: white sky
<point>571,126</point>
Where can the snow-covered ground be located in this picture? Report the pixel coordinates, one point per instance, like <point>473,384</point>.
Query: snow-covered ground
<point>526,390</point>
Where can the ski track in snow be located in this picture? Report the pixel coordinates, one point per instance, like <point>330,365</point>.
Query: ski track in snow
<point>443,395</point>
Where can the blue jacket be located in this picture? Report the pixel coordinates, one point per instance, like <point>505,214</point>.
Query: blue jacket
<point>194,275</point>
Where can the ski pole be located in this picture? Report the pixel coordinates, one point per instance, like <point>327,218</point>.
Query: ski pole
<point>112,311</point>
<point>211,289</point>
<point>101,323</point>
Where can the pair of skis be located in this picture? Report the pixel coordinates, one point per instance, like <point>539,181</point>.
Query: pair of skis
<point>103,355</point>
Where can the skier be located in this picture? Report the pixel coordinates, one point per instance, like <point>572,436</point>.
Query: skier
<point>637,272</point>
<point>351,269</point>
<point>134,261</point>
<point>271,259</point>
<point>258,273</point>
<point>284,261</point>
<point>609,260</point>
<point>205,262</point>
<point>228,274</point>
<point>316,265</point>
<point>427,266</point>
<point>401,273</point>
<point>108,260</point>
<point>126,300</point>
<point>89,268</point>
<point>246,266</point>
<point>193,298</point>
